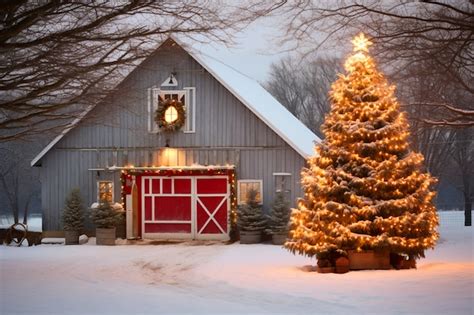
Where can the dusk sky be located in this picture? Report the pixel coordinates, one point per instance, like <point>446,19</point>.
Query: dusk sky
<point>254,52</point>
<point>258,46</point>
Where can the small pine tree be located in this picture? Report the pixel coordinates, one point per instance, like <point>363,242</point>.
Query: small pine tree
<point>280,215</point>
<point>73,214</point>
<point>105,216</point>
<point>250,214</point>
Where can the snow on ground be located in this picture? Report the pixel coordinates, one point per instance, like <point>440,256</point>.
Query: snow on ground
<point>34,222</point>
<point>213,278</point>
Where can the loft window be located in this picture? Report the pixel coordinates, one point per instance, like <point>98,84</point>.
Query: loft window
<point>244,185</point>
<point>105,191</point>
<point>185,96</point>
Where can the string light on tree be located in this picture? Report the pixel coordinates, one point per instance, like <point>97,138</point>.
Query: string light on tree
<point>364,188</point>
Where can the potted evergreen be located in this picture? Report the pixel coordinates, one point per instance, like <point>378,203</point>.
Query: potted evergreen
<point>73,217</point>
<point>105,217</point>
<point>251,221</point>
<point>278,219</point>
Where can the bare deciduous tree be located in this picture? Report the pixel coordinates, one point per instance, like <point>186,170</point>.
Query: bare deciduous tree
<point>18,184</point>
<point>441,145</point>
<point>414,93</point>
<point>440,33</point>
<point>302,86</point>
<point>59,57</point>
<point>463,156</point>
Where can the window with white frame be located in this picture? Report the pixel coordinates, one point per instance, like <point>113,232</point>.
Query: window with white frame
<point>105,191</point>
<point>243,187</point>
<point>185,96</point>
<point>282,183</point>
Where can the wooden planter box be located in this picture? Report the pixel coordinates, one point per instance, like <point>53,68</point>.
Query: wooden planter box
<point>105,236</point>
<point>250,237</point>
<point>325,269</point>
<point>71,237</point>
<point>369,260</point>
<point>342,265</point>
<point>279,238</point>
<point>121,230</point>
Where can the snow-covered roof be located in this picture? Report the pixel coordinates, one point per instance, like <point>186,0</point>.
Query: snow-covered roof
<point>250,93</point>
<point>70,126</point>
<point>260,102</point>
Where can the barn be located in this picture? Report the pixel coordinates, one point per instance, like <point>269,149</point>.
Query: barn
<point>177,144</point>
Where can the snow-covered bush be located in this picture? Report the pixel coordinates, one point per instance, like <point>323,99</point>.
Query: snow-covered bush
<point>104,215</point>
<point>280,215</point>
<point>73,214</point>
<point>250,215</point>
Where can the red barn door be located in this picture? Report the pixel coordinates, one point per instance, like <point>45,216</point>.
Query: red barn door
<point>191,207</point>
<point>212,207</point>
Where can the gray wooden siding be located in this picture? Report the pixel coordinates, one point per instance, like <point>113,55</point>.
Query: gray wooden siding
<point>221,119</point>
<point>116,133</point>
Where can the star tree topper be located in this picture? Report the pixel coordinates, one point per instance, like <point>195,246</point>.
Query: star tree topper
<point>361,43</point>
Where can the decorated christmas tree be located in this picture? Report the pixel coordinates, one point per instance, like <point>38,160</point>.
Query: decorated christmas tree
<point>73,214</point>
<point>365,189</point>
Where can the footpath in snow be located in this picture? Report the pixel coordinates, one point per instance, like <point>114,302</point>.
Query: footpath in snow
<point>192,278</point>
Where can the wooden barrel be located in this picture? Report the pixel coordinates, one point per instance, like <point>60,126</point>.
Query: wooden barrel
<point>105,236</point>
<point>250,237</point>
<point>279,238</point>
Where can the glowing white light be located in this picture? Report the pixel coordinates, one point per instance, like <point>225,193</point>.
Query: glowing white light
<point>171,114</point>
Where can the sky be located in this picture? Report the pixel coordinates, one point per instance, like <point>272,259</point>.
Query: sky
<point>256,48</point>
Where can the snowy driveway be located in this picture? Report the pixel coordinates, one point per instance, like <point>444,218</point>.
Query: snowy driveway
<point>222,279</point>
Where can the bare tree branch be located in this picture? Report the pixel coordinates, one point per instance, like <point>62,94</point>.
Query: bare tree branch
<point>58,57</point>
<point>303,88</point>
<point>439,35</point>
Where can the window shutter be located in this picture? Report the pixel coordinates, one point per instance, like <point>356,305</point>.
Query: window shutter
<point>190,109</point>
<point>153,95</point>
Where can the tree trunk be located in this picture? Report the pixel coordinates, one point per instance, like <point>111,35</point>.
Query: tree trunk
<point>467,201</point>
<point>468,213</point>
<point>467,210</point>
<point>25,213</point>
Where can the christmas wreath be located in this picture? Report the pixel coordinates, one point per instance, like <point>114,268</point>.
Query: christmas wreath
<point>165,119</point>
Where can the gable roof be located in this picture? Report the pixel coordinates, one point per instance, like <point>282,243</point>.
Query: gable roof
<point>246,90</point>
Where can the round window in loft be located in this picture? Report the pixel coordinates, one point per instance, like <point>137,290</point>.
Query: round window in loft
<point>171,114</point>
